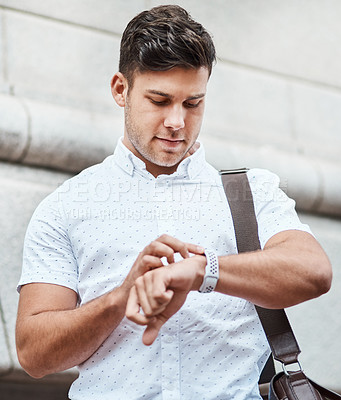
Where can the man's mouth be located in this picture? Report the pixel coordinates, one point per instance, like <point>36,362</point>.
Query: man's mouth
<point>171,140</point>
<point>170,143</point>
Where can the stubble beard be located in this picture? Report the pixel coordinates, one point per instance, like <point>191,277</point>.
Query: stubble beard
<point>135,137</point>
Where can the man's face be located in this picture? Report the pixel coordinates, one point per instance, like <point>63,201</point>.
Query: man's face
<point>163,116</point>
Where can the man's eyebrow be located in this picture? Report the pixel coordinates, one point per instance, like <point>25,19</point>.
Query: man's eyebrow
<point>169,96</point>
<point>158,93</point>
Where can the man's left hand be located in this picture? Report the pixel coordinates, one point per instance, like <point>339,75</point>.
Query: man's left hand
<point>160,293</point>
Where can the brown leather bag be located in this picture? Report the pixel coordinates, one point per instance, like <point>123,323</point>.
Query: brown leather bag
<point>287,385</point>
<point>296,385</point>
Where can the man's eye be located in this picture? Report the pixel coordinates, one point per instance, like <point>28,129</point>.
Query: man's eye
<point>192,105</point>
<point>159,103</point>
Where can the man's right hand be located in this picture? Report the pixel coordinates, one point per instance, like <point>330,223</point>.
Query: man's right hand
<point>151,256</point>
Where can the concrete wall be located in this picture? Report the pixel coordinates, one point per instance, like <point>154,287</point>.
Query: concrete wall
<point>273,101</point>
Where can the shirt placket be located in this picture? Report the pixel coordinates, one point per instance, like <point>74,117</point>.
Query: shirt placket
<point>169,335</point>
<point>163,207</point>
<point>170,376</point>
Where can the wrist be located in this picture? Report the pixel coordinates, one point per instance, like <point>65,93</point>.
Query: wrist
<point>200,271</point>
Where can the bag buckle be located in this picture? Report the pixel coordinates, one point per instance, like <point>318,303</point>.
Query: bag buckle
<point>284,367</point>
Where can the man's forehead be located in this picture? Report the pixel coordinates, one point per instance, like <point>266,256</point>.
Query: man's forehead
<point>164,83</point>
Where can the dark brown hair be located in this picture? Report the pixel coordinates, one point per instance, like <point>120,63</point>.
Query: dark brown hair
<point>163,38</point>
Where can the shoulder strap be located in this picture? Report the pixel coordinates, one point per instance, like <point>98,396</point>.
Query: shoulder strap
<point>275,323</point>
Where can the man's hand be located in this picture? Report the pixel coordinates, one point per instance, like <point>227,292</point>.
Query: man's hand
<point>160,293</point>
<point>53,334</point>
<point>150,257</point>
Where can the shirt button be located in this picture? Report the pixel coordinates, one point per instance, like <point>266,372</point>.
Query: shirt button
<point>170,386</point>
<point>169,339</point>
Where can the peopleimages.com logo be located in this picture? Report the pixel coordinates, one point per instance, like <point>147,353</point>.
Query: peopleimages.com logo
<point>98,192</point>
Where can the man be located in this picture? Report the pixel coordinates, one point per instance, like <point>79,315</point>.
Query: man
<point>142,226</point>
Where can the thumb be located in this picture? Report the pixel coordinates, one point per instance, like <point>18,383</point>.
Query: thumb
<point>156,323</point>
<point>152,330</point>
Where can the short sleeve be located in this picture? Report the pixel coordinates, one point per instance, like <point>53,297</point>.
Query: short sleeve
<point>47,254</point>
<point>275,211</point>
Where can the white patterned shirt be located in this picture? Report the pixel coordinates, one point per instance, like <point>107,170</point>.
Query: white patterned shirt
<point>86,236</point>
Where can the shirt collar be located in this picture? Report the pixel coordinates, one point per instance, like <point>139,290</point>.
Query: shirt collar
<point>190,167</point>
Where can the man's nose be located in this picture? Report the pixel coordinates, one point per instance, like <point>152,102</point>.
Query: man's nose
<point>175,118</point>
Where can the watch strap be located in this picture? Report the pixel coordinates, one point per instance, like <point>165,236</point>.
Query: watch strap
<point>211,273</point>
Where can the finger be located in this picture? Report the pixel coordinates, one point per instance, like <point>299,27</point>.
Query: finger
<point>157,295</point>
<point>193,248</point>
<point>179,246</point>
<point>152,293</point>
<point>158,302</point>
<point>140,319</point>
<point>160,249</point>
<point>142,297</point>
<point>175,244</point>
<point>155,324</point>
<point>152,330</point>
<point>166,246</point>
<point>151,262</point>
<point>133,309</point>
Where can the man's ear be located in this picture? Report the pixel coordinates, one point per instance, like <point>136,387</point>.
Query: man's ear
<point>119,88</point>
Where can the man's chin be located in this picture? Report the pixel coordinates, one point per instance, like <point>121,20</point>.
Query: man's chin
<point>171,161</point>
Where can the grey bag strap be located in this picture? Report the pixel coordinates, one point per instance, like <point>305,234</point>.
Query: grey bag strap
<point>275,323</point>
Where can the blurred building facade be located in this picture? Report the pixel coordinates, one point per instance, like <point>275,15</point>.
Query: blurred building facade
<point>274,102</point>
